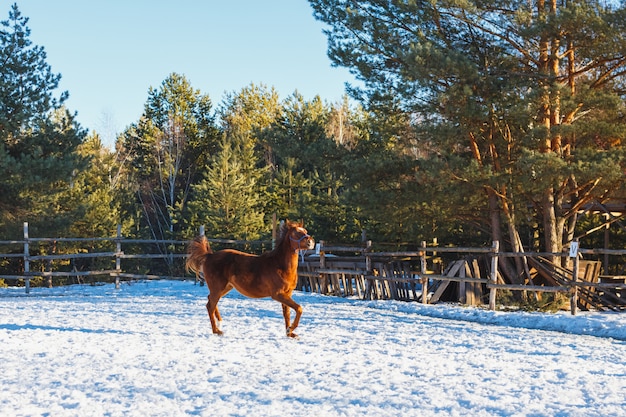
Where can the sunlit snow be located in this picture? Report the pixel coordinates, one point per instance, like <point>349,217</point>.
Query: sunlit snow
<point>147,350</point>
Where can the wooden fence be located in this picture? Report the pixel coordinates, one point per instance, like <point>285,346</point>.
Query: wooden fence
<point>472,276</point>
<point>170,252</point>
<point>358,271</point>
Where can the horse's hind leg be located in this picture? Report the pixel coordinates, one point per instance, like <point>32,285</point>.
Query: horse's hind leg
<point>211,307</point>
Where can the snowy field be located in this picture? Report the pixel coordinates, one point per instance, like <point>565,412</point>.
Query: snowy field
<point>146,350</point>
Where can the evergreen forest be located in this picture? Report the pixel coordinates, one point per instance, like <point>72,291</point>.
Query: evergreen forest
<point>476,121</point>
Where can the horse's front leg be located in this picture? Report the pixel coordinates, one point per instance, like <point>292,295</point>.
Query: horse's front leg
<point>288,303</point>
<point>287,316</point>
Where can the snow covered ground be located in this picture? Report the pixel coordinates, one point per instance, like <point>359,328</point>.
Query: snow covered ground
<point>146,350</point>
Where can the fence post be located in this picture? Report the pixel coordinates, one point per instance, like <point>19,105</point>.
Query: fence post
<point>368,258</point>
<point>273,231</point>
<point>118,260</point>
<point>573,253</point>
<point>367,283</point>
<point>201,232</point>
<point>323,280</point>
<point>26,259</point>
<point>493,275</point>
<point>423,268</point>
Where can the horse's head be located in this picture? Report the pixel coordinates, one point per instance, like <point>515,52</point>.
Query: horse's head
<point>299,238</point>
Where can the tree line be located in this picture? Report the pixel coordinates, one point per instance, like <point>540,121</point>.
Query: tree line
<point>474,122</point>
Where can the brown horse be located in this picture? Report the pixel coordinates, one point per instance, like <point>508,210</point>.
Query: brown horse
<point>272,274</point>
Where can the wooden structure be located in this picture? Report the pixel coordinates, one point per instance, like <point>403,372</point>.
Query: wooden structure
<point>591,292</point>
<point>395,275</point>
<point>118,260</point>
<point>472,278</point>
<point>613,212</point>
<point>466,291</point>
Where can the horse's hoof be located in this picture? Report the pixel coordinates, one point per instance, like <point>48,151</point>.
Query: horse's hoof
<point>293,335</point>
<point>218,332</point>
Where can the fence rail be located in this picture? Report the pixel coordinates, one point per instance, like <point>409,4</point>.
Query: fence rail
<point>358,271</point>
<point>391,275</point>
<point>115,257</point>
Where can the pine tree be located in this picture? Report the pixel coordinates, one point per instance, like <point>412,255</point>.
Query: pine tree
<point>38,136</point>
<point>309,140</point>
<point>164,152</point>
<point>245,116</point>
<point>290,191</point>
<point>26,80</point>
<point>511,100</point>
<point>226,201</point>
<point>93,192</point>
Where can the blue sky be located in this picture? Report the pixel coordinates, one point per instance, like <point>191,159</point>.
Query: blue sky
<point>110,53</point>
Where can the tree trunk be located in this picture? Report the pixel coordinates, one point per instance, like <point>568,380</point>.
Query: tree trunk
<point>494,216</point>
<point>506,266</point>
<point>551,235</point>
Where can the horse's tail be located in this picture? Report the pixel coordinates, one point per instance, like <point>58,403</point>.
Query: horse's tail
<point>198,249</point>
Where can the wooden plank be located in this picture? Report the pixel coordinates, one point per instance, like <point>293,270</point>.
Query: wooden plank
<point>308,274</point>
<point>461,286</point>
<point>455,268</point>
<point>538,288</point>
<point>355,249</point>
<point>352,265</point>
<point>430,249</point>
<point>12,242</point>
<point>470,295</point>
<point>600,285</point>
<point>389,274</point>
<point>439,292</point>
<point>150,276</point>
<point>360,286</point>
<point>478,289</point>
<point>396,279</point>
<point>613,279</point>
<point>152,255</point>
<point>368,290</point>
<point>71,239</point>
<point>342,271</point>
<point>12,277</point>
<point>71,273</point>
<point>602,251</point>
<point>72,256</point>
